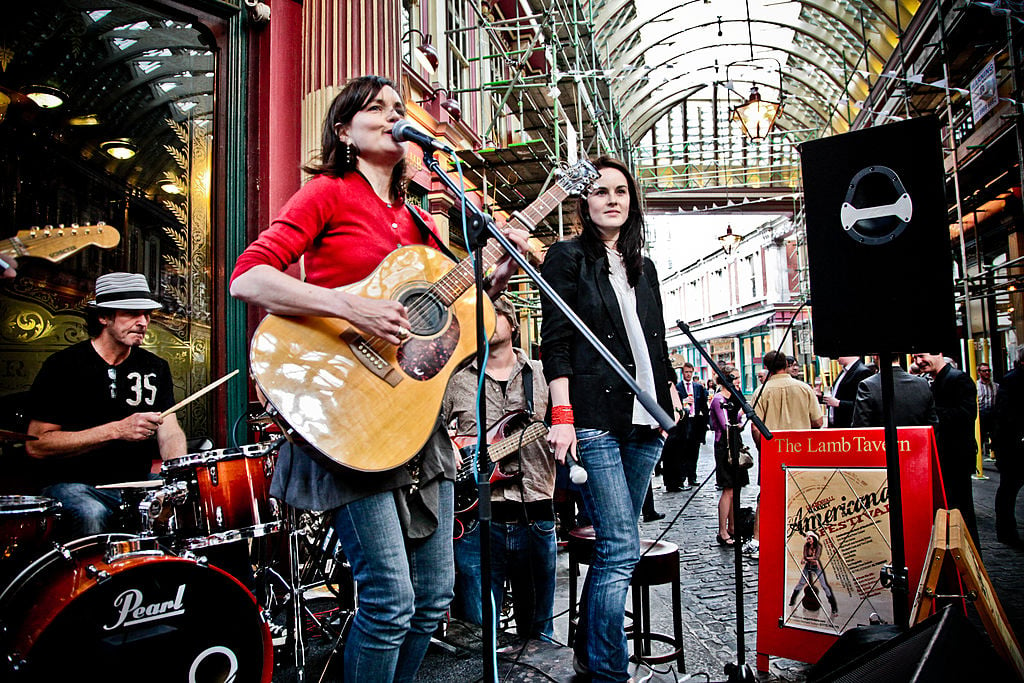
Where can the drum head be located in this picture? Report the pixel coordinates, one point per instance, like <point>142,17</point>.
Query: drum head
<point>155,617</point>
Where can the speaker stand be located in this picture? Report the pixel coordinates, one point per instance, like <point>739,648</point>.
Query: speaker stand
<point>894,576</point>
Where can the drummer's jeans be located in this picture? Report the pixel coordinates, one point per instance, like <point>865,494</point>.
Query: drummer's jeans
<point>404,588</point>
<point>85,510</point>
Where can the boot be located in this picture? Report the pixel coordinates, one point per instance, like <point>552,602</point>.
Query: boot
<point>833,605</point>
<point>793,597</point>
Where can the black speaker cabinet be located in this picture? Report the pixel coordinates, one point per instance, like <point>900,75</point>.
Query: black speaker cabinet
<point>943,648</point>
<point>878,245</point>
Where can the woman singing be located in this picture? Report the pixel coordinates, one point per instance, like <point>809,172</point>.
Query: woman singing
<point>605,279</point>
<point>342,223</point>
<point>725,420</point>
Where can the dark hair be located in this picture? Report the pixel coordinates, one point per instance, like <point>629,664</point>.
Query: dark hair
<point>726,370</point>
<point>774,361</point>
<point>334,161</point>
<point>631,235</point>
<point>92,320</point>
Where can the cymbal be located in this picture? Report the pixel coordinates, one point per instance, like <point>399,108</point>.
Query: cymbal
<point>6,435</point>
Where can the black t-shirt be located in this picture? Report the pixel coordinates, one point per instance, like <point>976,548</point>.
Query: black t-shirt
<point>77,389</point>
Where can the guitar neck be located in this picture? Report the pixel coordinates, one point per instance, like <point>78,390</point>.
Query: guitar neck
<point>511,444</point>
<point>460,278</point>
<point>9,247</point>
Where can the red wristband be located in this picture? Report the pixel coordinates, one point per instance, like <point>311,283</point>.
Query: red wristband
<point>561,415</point>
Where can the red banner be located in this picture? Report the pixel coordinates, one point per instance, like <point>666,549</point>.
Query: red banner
<point>825,533</point>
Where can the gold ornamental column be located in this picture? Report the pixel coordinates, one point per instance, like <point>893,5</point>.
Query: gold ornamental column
<point>342,39</point>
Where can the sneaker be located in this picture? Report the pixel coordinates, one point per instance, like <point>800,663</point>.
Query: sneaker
<point>751,549</point>
<point>278,634</point>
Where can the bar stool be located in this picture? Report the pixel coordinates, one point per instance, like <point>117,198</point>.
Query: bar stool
<point>658,565</point>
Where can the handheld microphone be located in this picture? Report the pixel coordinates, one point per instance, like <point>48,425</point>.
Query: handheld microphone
<point>577,474</point>
<point>403,131</point>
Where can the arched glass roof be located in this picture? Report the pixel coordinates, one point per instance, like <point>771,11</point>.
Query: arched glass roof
<point>818,56</point>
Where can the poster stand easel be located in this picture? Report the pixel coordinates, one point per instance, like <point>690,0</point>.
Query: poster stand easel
<point>952,541</point>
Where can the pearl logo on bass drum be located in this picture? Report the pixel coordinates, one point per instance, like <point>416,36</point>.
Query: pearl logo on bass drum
<point>131,609</point>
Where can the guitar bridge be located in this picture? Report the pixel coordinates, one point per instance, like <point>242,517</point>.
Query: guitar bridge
<point>364,352</point>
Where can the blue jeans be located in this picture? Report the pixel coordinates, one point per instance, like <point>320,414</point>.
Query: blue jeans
<point>525,554</point>
<point>619,469</point>
<point>404,587</point>
<point>85,510</point>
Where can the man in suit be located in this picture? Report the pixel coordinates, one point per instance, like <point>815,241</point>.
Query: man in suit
<point>956,403</point>
<point>1009,446</point>
<point>679,457</point>
<point>844,391</point>
<point>913,403</point>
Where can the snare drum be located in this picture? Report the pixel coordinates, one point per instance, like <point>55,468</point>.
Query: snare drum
<point>228,495</point>
<point>116,607</point>
<point>26,524</point>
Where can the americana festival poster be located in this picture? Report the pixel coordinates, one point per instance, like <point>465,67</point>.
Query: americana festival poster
<point>837,542</point>
<point>825,505</point>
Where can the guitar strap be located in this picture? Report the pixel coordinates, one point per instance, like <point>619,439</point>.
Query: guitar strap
<point>426,232</point>
<point>528,387</point>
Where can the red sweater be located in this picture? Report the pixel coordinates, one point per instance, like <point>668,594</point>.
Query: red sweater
<point>341,226</point>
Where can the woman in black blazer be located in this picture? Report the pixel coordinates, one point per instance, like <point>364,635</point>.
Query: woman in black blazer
<point>604,277</point>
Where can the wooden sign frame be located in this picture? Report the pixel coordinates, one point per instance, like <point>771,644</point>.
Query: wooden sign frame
<point>952,542</point>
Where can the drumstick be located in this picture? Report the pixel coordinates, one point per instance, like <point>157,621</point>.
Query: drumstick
<point>185,401</point>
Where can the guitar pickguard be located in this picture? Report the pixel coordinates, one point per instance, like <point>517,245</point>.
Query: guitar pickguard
<point>422,359</point>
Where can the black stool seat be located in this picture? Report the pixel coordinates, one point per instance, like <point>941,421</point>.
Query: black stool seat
<point>658,565</point>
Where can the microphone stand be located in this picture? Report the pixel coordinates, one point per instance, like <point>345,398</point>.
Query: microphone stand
<point>481,227</point>
<point>738,672</point>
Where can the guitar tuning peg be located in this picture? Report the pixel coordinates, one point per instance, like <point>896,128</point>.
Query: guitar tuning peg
<point>47,229</point>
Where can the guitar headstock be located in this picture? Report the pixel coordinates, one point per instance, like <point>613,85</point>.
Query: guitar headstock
<point>577,179</point>
<point>57,243</point>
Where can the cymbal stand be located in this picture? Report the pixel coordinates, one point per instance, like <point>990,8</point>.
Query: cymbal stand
<point>320,550</point>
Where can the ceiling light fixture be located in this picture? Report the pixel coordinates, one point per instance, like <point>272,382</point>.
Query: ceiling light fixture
<point>84,120</point>
<point>46,96</point>
<point>119,148</point>
<point>757,116</point>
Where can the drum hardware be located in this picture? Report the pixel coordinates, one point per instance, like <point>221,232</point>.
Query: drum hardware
<point>312,564</point>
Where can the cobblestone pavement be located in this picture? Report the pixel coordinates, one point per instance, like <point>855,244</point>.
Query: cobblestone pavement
<point>708,598</point>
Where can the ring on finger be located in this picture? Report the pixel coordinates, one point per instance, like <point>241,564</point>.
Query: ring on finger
<point>402,333</point>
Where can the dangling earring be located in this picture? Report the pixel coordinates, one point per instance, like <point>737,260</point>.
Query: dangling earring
<point>348,154</point>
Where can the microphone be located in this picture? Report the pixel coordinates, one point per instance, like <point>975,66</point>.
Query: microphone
<point>403,131</point>
<point>577,474</point>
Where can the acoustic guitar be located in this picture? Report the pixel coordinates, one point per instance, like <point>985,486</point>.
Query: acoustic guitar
<point>366,404</point>
<point>507,436</point>
<point>56,244</point>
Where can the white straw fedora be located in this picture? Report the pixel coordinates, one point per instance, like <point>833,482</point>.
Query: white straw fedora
<point>127,291</point>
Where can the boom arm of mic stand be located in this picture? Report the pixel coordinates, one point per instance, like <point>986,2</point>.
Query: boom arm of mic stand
<point>650,403</point>
<point>726,381</point>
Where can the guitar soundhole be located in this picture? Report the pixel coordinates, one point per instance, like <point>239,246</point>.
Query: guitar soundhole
<point>427,314</point>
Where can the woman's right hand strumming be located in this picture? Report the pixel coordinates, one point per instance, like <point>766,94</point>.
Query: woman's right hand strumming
<point>383,318</point>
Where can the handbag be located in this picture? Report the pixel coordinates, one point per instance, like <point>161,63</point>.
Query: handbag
<point>746,460</point>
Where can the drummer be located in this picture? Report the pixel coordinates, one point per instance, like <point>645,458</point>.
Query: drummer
<point>95,409</point>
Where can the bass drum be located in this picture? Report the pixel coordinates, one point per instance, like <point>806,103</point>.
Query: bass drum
<point>118,607</point>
